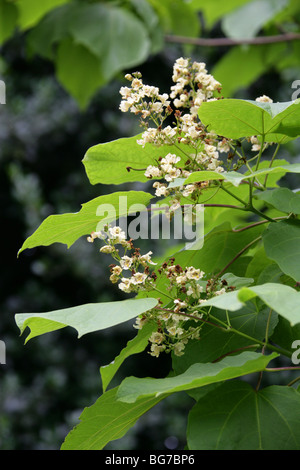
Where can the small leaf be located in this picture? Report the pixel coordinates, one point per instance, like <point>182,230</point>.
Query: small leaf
<point>234,416</point>
<point>134,346</point>
<point>236,281</point>
<point>236,178</point>
<point>279,297</point>
<point>282,244</point>
<point>132,388</point>
<point>84,318</point>
<point>106,420</point>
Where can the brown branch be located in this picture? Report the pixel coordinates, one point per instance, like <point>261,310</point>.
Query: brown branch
<point>220,42</point>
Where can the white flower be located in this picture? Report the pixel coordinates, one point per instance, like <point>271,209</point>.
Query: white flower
<point>179,304</point>
<point>126,262</point>
<point>172,173</point>
<point>188,190</point>
<point>125,285</point>
<point>146,258</point>
<point>221,291</point>
<point>170,159</point>
<point>152,172</point>
<point>138,278</point>
<point>161,189</point>
<point>178,348</point>
<point>264,99</point>
<point>193,273</point>
<point>117,234</point>
<point>156,337</point>
<point>156,349</point>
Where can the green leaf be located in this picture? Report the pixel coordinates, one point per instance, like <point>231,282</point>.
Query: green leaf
<point>281,298</point>
<point>236,178</point>
<point>110,33</point>
<point>246,21</point>
<point>84,318</point>
<point>177,17</point>
<point>215,9</point>
<point>282,244</point>
<point>282,199</point>
<point>32,11</point>
<point>99,37</point>
<point>235,118</point>
<point>81,82</point>
<point>256,60</point>
<point>234,416</point>
<point>215,342</point>
<point>236,281</point>
<point>106,420</point>
<point>107,163</point>
<point>220,246</point>
<point>67,228</point>
<point>198,375</point>
<point>134,346</point>
<point>8,20</point>
<point>123,160</point>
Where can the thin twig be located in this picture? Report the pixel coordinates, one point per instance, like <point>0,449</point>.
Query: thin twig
<point>256,223</point>
<point>223,42</point>
<point>237,256</point>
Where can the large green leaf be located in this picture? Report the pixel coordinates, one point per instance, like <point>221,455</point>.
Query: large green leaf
<point>134,346</point>
<point>110,33</point>
<point>80,84</point>
<point>281,298</point>
<point>100,37</point>
<point>84,318</point>
<point>246,21</point>
<point>110,162</point>
<point>220,246</point>
<point>67,228</point>
<point>235,118</point>
<point>106,420</point>
<point>283,199</point>
<point>236,417</point>
<point>32,11</point>
<point>282,244</point>
<point>198,375</point>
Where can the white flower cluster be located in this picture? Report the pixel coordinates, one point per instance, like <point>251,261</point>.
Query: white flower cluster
<point>193,85</point>
<point>185,289</point>
<point>193,148</point>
